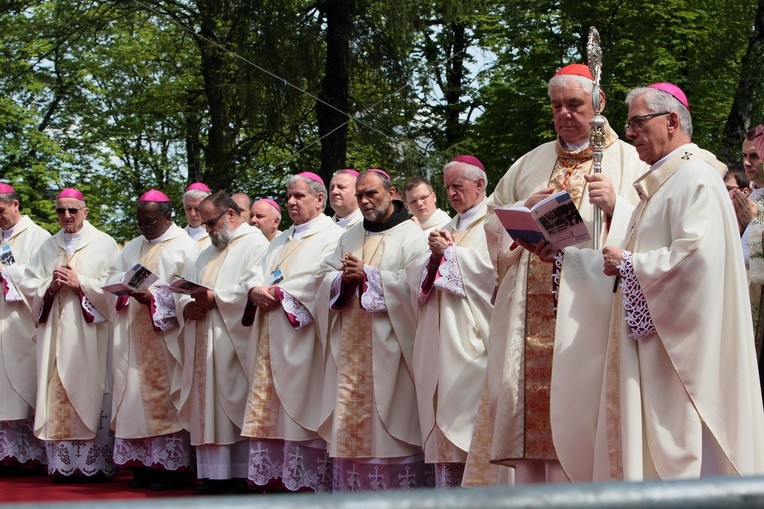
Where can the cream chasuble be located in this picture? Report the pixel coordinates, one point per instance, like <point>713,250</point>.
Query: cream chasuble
<point>145,359</point>
<point>18,382</point>
<point>685,401</point>
<point>513,420</point>
<point>449,350</point>
<point>71,353</point>
<point>369,401</point>
<point>438,219</point>
<point>288,363</point>
<point>215,381</point>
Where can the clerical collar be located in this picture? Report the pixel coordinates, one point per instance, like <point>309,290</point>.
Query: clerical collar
<point>468,217</point>
<point>668,156</point>
<point>398,216</point>
<point>161,238</point>
<point>72,240</point>
<point>7,234</point>
<point>756,192</point>
<point>574,147</point>
<point>345,221</point>
<point>300,230</point>
<point>196,233</point>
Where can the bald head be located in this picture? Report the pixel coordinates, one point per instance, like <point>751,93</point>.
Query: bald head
<point>265,217</point>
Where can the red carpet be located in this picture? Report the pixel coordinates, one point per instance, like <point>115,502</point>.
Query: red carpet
<point>41,488</point>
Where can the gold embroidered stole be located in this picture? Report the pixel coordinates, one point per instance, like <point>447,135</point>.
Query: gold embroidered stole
<point>261,416</point>
<point>63,422</point>
<point>568,174</point>
<point>151,358</point>
<point>203,344</point>
<point>353,412</point>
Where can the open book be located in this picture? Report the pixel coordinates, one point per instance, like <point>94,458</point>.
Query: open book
<point>184,286</point>
<point>554,219</point>
<point>137,279</point>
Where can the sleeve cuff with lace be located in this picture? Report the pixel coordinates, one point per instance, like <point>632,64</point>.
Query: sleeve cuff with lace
<point>89,312</point>
<point>9,289</point>
<point>449,278</point>
<point>634,303</point>
<point>340,295</point>
<point>297,314</point>
<point>372,296</point>
<point>164,316</point>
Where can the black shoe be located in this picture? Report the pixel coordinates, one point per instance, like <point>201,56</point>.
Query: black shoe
<point>210,487</point>
<point>168,480</point>
<point>141,479</point>
<point>236,486</point>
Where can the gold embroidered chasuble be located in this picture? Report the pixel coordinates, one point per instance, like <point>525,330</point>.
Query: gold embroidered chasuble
<point>215,380</point>
<point>369,382</point>
<point>71,353</point>
<point>145,360</point>
<point>288,363</point>
<point>513,421</point>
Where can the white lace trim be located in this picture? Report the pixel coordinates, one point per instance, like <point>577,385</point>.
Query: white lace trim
<point>449,475</point>
<point>556,272</point>
<point>88,306</point>
<point>360,475</point>
<point>304,466</point>
<point>13,294</point>
<point>17,441</point>
<point>165,317</point>
<point>88,457</point>
<point>450,279</point>
<point>171,452</point>
<point>637,313</point>
<point>295,308</point>
<point>373,299</point>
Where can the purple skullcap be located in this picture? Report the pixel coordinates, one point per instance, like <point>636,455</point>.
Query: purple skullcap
<point>351,171</point>
<point>198,186</point>
<point>272,203</point>
<point>70,192</point>
<point>468,159</point>
<point>152,195</point>
<point>311,176</point>
<point>672,90</point>
<point>575,70</point>
<point>6,189</point>
<point>380,172</point>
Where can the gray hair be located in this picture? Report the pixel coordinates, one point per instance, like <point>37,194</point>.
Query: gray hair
<point>658,101</point>
<point>315,188</point>
<point>195,194</point>
<point>471,172</point>
<point>560,81</point>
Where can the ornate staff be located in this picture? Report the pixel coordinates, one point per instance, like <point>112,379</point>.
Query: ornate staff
<point>597,137</point>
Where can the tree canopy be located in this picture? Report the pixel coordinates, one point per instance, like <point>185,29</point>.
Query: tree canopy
<point>116,97</point>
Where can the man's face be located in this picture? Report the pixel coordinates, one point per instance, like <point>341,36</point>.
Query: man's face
<point>752,163</point>
<point>9,214</point>
<point>264,217</point>
<point>242,201</point>
<point>463,194</point>
<point>651,137</point>
<point>375,202</point>
<point>218,225</point>
<point>421,202</point>
<point>572,110</point>
<point>71,214</point>
<point>151,223</point>
<point>191,207</point>
<point>342,194</point>
<point>301,204</point>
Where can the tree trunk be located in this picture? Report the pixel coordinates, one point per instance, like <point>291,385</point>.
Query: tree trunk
<point>332,124</point>
<point>743,107</point>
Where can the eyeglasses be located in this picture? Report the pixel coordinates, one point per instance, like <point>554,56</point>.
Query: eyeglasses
<point>419,200</point>
<point>212,222</point>
<point>732,188</point>
<point>72,211</point>
<point>637,121</point>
